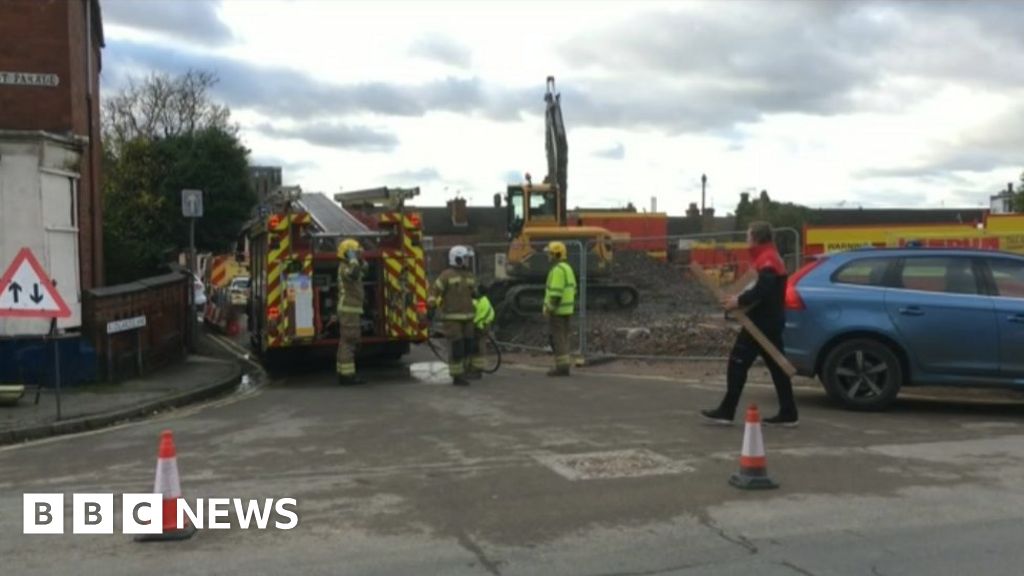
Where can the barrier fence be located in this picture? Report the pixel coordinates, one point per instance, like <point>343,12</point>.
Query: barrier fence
<point>674,317</point>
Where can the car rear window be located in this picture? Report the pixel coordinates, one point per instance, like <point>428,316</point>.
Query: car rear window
<point>863,272</point>
<point>1009,277</point>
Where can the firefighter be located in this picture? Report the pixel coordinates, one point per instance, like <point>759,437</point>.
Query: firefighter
<point>483,317</point>
<point>765,304</point>
<point>452,293</point>
<point>559,301</point>
<point>351,269</point>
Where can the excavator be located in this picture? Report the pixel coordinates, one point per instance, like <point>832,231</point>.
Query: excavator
<point>537,214</point>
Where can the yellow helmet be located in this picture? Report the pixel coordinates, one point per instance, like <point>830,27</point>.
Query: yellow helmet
<point>348,244</point>
<point>556,250</point>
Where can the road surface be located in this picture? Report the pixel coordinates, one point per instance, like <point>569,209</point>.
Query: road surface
<point>600,474</point>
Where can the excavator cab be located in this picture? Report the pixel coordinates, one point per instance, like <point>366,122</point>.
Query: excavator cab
<point>533,205</point>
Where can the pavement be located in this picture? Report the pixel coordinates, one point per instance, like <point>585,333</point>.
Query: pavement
<point>605,473</point>
<point>95,405</point>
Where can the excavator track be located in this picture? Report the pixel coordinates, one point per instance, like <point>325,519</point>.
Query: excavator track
<point>528,299</point>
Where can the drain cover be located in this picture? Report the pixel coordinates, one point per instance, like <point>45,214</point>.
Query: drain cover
<point>612,464</point>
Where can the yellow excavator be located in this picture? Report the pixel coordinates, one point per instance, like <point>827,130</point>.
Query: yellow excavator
<point>537,214</point>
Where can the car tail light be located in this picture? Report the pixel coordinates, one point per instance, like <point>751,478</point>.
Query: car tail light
<point>793,299</point>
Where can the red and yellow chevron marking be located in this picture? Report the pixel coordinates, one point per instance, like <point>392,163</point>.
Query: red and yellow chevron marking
<point>219,271</point>
<point>405,278</point>
<point>278,248</point>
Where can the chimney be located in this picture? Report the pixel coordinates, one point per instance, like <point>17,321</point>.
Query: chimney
<point>693,211</point>
<point>457,210</point>
<point>703,191</point>
<point>497,200</point>
<point>654,204</point>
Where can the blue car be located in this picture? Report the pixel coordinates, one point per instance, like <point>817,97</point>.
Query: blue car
<point>869,321</point>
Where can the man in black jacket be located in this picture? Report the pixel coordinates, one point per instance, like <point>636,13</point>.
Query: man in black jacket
<point>765,306</point>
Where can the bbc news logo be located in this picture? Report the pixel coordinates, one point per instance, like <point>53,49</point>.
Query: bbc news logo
<point>144,513</point>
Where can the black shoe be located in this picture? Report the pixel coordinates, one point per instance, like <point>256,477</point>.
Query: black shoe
<point>460,381</point>
<point>784,421</point>
<point>717,416</point>
<point>357,379</point>
<point>563,371</point>
<point>474,375</point>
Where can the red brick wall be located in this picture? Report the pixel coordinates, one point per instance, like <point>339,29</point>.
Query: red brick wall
<point>162,300</point>
<point>50,36</point>
<point>34,38</point>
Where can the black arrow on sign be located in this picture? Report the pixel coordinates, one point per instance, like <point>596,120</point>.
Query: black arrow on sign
<point>14,289</point>
<point>36,296</point>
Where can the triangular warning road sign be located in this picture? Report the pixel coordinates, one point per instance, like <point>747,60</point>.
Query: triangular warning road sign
<point>26,291</point>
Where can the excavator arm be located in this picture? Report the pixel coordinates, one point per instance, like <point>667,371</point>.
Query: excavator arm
<point>557,147</point>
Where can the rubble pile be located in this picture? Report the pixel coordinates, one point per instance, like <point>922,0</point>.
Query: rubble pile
<point>676,316</point>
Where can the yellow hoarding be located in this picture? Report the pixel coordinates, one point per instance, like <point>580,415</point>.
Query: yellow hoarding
<point>826,239</point>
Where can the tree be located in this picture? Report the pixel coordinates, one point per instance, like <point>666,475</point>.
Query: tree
<point>162,106</point>
<point>148,161</point>
<point>778,214</point>
<point>1018,200</point>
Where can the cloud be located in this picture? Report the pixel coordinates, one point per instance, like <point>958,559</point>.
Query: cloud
<point>997,144</point>
<point>442,49</point>
<point>277,91</point>
<point>417,176</point>
<point>333,135</point>
<point>712,69</point>
<point>616,152</point>
<point>195,20</point>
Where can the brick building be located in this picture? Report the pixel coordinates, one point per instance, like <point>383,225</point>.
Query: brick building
<point>265,179</point>
<point>50,150</point>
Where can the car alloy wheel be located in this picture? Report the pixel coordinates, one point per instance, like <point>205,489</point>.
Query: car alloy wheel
<point>862,374</point>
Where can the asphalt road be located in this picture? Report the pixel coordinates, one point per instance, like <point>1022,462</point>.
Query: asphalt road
<point>601,474</point>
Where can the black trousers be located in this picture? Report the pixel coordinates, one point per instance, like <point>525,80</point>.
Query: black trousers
<point>742,357</point>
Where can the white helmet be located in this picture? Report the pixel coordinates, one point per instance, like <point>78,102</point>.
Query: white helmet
<point>459,256</point>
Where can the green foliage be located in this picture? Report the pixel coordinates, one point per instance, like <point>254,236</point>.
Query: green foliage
<point>144,228</point>
<point>778,214</point>
<point>1018,200</point>
<point>163,134</point>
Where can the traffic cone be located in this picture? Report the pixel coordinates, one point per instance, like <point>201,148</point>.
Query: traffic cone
<point>168,484</point>
<point>753,474</point>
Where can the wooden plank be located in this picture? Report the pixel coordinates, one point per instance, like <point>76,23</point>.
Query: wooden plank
<point>745,321</point>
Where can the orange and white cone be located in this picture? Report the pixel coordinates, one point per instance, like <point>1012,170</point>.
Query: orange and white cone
<point>168,484</point>
<point>753,474</point>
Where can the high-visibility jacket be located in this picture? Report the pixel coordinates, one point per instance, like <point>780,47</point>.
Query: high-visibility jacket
<point>453,293</point>
<point>560,293</point>
<point>350,286</point>
<point>484,312</point>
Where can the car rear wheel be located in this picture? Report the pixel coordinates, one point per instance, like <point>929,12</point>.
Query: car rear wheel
<point>862,374</point>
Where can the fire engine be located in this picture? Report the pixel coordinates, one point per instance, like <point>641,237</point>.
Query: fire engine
<point>293,261</point>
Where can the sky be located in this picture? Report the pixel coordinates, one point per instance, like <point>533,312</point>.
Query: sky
<point>827,104</point>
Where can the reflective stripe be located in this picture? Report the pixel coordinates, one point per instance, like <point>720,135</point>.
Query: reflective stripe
<point>455,369</point>
<point>346,368</point>
<point>478,363</point>
<point>456,316</point>
<point>351,310</point>
<point>561,361</point>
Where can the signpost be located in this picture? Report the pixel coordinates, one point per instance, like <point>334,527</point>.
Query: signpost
<point>192,208</point>
<point>26,291</point>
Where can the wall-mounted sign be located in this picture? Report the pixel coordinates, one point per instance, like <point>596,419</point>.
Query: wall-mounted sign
<point>29,79</point>
<point>126,324</point>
